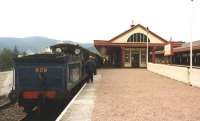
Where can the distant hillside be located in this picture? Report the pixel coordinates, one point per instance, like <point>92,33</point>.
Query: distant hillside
<point>32,44</point>
<point>87,45</point>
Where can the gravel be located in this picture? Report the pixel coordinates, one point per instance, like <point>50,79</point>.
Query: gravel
<point>12,113</point>
<point>140,95</point>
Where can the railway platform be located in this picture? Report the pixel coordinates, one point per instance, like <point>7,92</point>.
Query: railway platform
<point>134,95</point>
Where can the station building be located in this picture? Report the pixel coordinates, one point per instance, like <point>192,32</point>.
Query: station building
<point>128,49</point>
<point>179,54</point>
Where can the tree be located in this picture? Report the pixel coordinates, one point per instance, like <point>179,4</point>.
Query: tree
<point>6,58</point>
<point>24,53</point>
<point>15,52</point>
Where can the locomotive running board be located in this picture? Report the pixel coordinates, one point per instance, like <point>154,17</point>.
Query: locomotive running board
<point>71,102</point>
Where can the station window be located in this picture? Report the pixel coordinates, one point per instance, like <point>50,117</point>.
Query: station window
<point>129,39</point>
<point>138,37</point>
<point>134,38</point>
<point>142,38</point>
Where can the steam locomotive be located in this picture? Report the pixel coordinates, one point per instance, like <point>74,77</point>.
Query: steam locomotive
<point>45,80</point>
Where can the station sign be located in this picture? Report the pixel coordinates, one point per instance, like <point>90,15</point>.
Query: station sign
<point>168,50</point>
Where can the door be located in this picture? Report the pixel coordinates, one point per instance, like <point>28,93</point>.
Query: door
<point>135,60</point>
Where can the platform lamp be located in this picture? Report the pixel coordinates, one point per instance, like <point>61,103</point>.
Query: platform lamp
<point>190,70</point>
<point>191,35</point>
<point>147,55</point>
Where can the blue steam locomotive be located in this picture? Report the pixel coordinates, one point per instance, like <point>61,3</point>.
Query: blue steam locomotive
<point>45,80</point>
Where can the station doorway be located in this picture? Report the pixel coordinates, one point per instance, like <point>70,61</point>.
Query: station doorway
<point>135,60</point>
<point>135,57</point>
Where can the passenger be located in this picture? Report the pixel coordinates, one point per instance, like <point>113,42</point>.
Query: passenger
<point>90,68</point>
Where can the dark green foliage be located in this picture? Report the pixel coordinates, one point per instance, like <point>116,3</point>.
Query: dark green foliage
<point>6,58</point>
<point>15,52</point>
<point>24,53</point>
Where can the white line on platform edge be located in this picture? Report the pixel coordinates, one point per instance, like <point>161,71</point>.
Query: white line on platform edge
<point>71,102</point>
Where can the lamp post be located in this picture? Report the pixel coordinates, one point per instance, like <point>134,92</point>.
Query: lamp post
<point>147,30</point>
<point>190,71</point>
<point>191,34</point>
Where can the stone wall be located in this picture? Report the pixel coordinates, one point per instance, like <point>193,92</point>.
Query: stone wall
<point>6,80</point>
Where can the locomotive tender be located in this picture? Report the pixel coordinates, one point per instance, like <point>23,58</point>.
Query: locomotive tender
<point>44,80</point>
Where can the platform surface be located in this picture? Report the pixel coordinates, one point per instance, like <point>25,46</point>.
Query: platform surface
<point>82,107</point>
<point>135,95</point>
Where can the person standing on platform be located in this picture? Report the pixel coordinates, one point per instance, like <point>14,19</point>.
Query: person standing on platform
<point>90,68</point>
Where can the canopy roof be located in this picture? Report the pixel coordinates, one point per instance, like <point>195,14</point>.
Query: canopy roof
<point>186,47</point>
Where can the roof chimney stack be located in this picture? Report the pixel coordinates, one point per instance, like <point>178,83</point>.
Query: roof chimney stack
<point>132,24</point>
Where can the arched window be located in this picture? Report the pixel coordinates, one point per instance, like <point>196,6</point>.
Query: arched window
<point>138,37</point>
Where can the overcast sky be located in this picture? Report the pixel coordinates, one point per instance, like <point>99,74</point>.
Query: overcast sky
<point>86,20</point>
